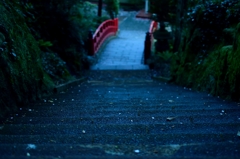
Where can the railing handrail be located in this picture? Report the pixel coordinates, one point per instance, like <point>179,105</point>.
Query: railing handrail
<point>149,40</point>
<point>153,26</point>
<point>105,29</point>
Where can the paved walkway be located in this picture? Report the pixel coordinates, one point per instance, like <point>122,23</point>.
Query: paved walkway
<point>125,52</point>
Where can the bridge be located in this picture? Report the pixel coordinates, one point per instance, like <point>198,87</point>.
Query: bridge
<point>129,49</point>
<point>119,111</point>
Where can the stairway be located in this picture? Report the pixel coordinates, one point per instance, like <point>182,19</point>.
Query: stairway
<point>123,114</point>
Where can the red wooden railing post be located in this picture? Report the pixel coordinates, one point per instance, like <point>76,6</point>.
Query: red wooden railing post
<point>149,40</point>
<point>90,44</point>
<point>116,25</point>
<point>147,47</point>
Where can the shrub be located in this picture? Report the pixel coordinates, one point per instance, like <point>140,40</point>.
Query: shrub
<point>112,8</point>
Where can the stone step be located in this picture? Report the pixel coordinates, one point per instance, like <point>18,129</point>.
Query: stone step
<point>112,114</point>
<point>130,104</point>
<point>128,139</point>
<point>136,118</point>
<point>104,99</point>
<point>116,66</point>
<point>137,112</point>
<point>119,129</point>
<point>209,150</point>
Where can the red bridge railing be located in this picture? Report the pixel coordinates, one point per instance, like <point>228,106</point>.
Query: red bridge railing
<point>106,29</point>
<point>149,41</point>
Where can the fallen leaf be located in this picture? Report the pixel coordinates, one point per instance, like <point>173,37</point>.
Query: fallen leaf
<point>31,146</point>
<point>170,118</point>
<point>238,134</point>
<point>170,101</point>
<point>50,101</point>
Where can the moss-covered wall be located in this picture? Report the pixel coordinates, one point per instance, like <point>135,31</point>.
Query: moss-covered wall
<point>21,75</point>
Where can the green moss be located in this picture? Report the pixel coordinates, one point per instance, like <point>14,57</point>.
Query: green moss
<point>217,73</point>
<point>214,72</point>
<point>234,66</point>
<point>21,73</point>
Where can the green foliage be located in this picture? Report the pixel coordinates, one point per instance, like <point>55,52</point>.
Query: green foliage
<point>214,75</point>
<point>21,73</point>
<point>210,20</point>
<point>30,63</point>
<point>55,67</point>
<point>83,17</point>
<point>161,62</point>
<point>218,73</point>
<point>234,66</point>
<point>132,5</point>
<point>44,44</point>
<point>65,25</point>
<point>112,8</point>
<point>208,58</point>
<point>164,9</point>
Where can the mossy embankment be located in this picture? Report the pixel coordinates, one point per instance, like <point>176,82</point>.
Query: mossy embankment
<point>42,44</point>
<point>208,59</point>
<point>21,75</point>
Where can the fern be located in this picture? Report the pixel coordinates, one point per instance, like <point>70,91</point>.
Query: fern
<point>44,44</point>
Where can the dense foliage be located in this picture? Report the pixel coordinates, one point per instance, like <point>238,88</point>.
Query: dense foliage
<point>21,75</point>
<point>42,43</point>
<point>132,5</point>
<point>210,20</point>
<point>205,45</point>
<point>112,8</point>
<point>208,54</point>
<point>65,24</point>
<point>165,10</point>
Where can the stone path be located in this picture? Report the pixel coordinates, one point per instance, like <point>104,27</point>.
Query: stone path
<point>125,52</point>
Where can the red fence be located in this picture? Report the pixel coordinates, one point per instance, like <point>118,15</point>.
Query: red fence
<point>106,29</point>
<point>149,41</point>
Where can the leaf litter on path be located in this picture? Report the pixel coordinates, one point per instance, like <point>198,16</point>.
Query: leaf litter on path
<point>170,118</point>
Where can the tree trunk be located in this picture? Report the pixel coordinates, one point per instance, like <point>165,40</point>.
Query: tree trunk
<point>181,11</point>
<point>99,8</point>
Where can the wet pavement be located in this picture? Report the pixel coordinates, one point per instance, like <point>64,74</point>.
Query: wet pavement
<point>125,51</point>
